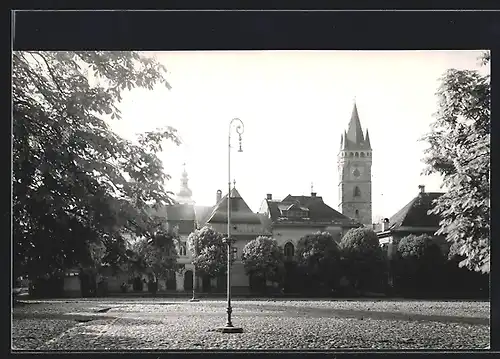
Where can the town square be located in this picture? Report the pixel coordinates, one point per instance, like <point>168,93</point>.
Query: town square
<point>241,200</point>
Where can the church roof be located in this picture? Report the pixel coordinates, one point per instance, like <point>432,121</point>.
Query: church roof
<point>353,138</point>
<point>414,214</point>
<point>240,212</point>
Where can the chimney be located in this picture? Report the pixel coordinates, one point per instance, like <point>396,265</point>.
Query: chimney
<point>421,188</point>
<point>219,196</point>
<point>313,194</point>
<point>269,196</point>
<point>385,224</point>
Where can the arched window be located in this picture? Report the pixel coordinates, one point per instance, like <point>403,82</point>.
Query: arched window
<point>357,192</point>
<point>356,213</point>
<point>356,154</point>
<point>289,250</point>
<point>351,154</point>
<point>362,154</point>
<point>182,250</point>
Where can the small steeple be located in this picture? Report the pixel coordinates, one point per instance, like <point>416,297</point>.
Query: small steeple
<point>367,140</point>
<point>185,193</point>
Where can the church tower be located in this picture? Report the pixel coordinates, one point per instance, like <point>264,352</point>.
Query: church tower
<point>355,171</point>
<point>185,193</point>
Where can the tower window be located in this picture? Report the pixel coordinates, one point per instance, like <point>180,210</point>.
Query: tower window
<point>356,213</point>
<point>362,154</point>
<point>357,192</point>
<point>356,154</point>
<point>182,250</point>
<point>351,154</point>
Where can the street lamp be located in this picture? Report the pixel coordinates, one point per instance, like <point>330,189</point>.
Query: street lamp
<point>240,127</point>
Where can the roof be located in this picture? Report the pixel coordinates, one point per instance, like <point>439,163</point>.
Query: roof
<point>240,212</point>
<point>318,210</point>
<point>181,216</point>
<point>202,213</point>
<point>353,138</point>
<point>414,214</point>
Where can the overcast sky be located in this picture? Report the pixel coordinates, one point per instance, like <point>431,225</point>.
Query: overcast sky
<point>295,105</point>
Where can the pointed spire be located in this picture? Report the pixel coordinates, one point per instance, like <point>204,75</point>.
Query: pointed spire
<point>344,147</point>
<point>367,140</point>
<point>341,141</point>
<point>354,131</point>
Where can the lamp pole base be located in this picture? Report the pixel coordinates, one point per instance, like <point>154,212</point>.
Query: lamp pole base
<point>229,330</point>
<point>194,300</point>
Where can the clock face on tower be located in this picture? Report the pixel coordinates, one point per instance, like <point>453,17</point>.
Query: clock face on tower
<point>356,173</point>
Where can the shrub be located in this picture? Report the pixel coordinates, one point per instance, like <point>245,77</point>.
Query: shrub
<point>363,260</point>
<point>263,260</point>
<point>419,265</point>
<point>318,259</point>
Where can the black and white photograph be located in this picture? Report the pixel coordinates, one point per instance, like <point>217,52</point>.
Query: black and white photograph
<point>250,200</point>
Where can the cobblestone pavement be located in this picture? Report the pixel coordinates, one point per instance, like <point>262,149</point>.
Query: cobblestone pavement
<point>178,324</point>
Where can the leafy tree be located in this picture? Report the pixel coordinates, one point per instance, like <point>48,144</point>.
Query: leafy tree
<point>459,150</point>
<point>209,251</point>
<point>363,261</point>
<point>157,256</point>
<point>76,184</point>
<point>318,258</point>
<point>263,259</point>
<point>420,263</point>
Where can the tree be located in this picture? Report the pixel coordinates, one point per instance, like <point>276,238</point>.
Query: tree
<point>363,261</point>
<point>159,255</point>
<point>459,151</point>
<point>209,251</point>
<point>419,264</point>
<point>263,259</point>
<point>318,258</point>
<point>75,182</point>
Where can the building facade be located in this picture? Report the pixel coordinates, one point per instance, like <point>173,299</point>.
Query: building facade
<point>294,217</point>
<point>354,167</point>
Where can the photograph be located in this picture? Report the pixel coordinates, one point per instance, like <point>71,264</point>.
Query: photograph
<point>250,200</point>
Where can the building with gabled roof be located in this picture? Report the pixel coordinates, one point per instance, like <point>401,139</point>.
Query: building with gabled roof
<point>245,226</point>
<point>413,218</point>
<point>290,219</point>
<point>294,217</point>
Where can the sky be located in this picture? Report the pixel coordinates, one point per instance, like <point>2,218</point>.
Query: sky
<point>294,105</point>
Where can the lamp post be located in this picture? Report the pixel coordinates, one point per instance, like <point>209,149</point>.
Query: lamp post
<point>240,127</point>
<point>194,299</point>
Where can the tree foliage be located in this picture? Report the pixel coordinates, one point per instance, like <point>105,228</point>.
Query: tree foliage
<point>364,262</point>
<point>419,263</point>
<point>157,256</point>
<point>77,186</point>
<point>318,258</point>
<point>263,258</point>
<point>209,251</point>
<point>459,151</point>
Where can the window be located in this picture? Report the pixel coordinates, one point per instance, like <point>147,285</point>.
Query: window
<point>357,192</point>
<point>362,154</point>
<point>351,154</point>
<point>182,249</point>
<point>356,154</point>
<point>356,213</point>
<point>289,250</point>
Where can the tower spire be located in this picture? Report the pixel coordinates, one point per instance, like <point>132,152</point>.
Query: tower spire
<point>354,131</point>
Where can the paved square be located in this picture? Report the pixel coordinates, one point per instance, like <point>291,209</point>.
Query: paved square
<point>139,324</point>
